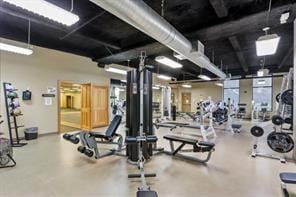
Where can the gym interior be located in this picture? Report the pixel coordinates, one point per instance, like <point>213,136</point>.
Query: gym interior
<point>147,98</point>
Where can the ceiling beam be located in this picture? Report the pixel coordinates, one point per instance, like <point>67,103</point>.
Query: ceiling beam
<point>223,30</point>
<point>62,29</point>
<point>286,56</point>
<point>220,8</point>
<point>238,51</point>
<point>83,25</point>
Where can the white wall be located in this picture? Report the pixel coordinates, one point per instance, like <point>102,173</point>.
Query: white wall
<point>201,91</point>
<point>41,70</point>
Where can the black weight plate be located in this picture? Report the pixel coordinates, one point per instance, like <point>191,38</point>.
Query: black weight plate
<point>257,131</point>
<point>287,97</point>
<point>277,120</point>
<point>288,120</point>
<point>280,142</point>
<point>277,98</point>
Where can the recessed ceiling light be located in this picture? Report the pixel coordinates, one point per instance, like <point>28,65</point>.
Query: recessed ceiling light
<point>116,70</point>
<point>15,49</point>
<point>179,57</point>
<point>186,86</point>
<point>219,84</point>
<point>168,62</point>
<point>164,77</point>
<point>267,45</point>
<point>47,10</point>
<point>204,77</point>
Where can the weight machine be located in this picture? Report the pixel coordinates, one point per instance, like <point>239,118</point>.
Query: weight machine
<point>280,139</point>
<point>139,128</point>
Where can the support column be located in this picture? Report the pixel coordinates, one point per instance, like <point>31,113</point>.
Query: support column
<point>294,91</point>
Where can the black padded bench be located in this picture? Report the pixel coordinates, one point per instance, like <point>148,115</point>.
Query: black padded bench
<point>197,147</point>
<point>287,178</point>
<point>194,126</point>
<point>147,194</point>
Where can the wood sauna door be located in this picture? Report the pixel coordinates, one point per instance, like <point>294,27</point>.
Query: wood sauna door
<point>100,115</point>
<point>86,107</point>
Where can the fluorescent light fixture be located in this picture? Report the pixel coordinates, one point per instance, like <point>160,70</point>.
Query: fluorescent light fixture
<point>155,88</point>
<point>116,70</point>
<point>179,57</point>
<point>219,84</point>
<point>168,62</point>
<point>284,17</point>
<point>204,77</point>
<point>267,45</point>
<point>164,77</point>
<point>186,86</point>
<point>15,49</point>
<point>47,10</point>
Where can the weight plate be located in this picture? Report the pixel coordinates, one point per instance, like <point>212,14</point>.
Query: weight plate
<point>277,98</point>
<point>277,120</point>
<point>287,97</point>
<point>280,142</point>
<point>257,131</point>
<point>288,120</point>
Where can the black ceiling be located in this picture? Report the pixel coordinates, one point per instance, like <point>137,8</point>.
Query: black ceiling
<point>227,28</point>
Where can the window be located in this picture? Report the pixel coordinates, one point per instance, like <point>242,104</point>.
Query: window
<point>231,90</point>
<point>262,93</point>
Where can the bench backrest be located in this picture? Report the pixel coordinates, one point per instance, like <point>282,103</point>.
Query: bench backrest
<point>111,131</point>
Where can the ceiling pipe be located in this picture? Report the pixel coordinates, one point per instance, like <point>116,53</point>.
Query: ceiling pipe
<point>145,19</point>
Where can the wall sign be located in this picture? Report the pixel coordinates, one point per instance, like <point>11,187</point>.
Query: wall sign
<point>51,90</point>
<point>48,95</point>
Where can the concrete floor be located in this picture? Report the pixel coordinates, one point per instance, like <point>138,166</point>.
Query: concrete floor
<point>52,167</point>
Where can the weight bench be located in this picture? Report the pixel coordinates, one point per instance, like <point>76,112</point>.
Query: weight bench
<point>90,140</point>
<point>147,194</point>
<point>287,178</point>
<point>144,189</point>
<point>200,147</point>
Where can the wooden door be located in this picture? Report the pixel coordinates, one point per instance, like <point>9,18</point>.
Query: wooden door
<point>100,107</point>
<point>186,102</point>
<point>85,121</point>
<point>69,101</point>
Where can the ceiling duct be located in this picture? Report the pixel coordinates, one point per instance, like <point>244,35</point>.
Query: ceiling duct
<point>145,19</point>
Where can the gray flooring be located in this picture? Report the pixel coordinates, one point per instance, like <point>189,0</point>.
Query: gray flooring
<point>52,167</point>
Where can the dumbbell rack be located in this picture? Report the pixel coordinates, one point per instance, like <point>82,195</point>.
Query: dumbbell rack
<point>11,120</point>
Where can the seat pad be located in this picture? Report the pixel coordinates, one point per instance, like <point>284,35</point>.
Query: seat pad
<point>147,194</point>
<point>181,139</point>
<point>288,177</point>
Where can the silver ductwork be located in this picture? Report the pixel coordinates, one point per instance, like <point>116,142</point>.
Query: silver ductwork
<point>145,19</point>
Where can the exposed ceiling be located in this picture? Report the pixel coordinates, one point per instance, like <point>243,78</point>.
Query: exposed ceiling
<point>227,28</point>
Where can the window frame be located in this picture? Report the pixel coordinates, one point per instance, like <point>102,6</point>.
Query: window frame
<point>271,86</point>
<point>238,88</point>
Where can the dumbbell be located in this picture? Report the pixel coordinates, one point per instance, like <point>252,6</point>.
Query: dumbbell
<point>81,149</point>
<point>88,152</point>
<point>74,139</point>
<point>67,136</point>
